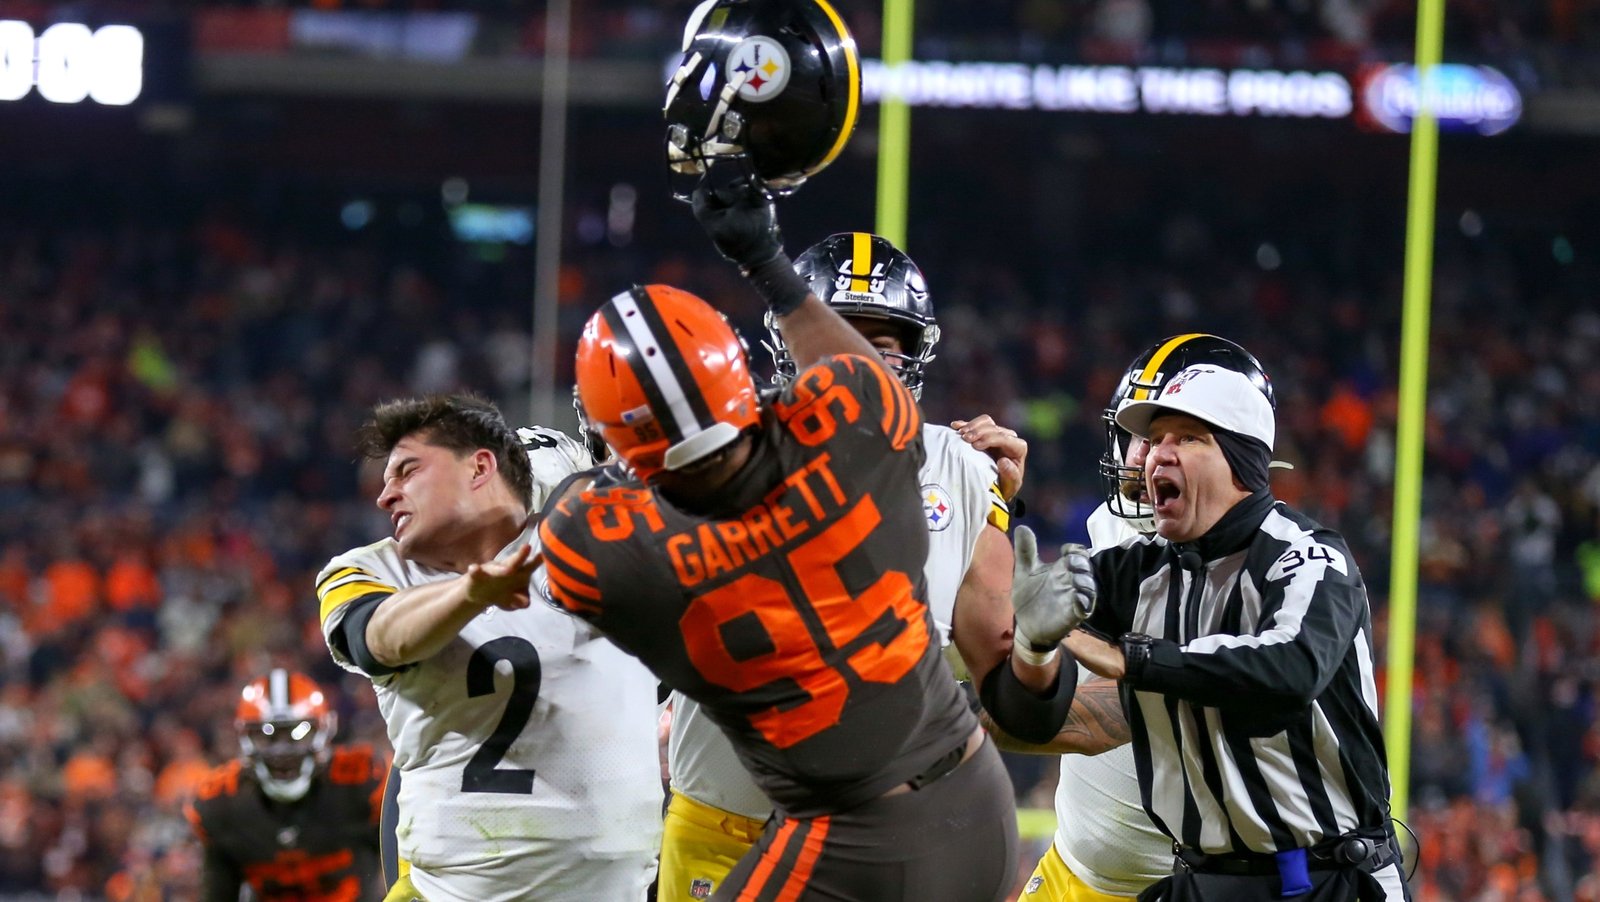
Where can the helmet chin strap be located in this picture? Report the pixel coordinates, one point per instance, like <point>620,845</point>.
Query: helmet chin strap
<point>286,790</point>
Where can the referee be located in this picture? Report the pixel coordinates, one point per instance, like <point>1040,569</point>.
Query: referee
<point>1244,652</point>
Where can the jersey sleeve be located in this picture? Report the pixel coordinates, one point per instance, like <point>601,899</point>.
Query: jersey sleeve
<point>203,810</point>
<point>850,390</point>
<point>573,581</point>
<point>352,577</point>
<point>359,771</point>
<point>1117,575</point>
<point>978,482</point>
<point>1312,602</point>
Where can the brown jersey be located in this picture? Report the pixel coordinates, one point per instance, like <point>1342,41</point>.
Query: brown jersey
<point>322,848</point>
<point>792,606</point>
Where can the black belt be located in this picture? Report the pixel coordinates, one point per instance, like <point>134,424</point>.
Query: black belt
<point>1340,852</point>
<point>946,763</point>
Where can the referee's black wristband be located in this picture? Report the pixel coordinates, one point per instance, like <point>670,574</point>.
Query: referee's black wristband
<point>1135,655</point>
<point>778,284</point>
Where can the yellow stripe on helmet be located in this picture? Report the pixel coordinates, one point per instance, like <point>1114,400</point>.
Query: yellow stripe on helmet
<point>853,84</point>
<point>860,261</point>
<point>1159,357</point>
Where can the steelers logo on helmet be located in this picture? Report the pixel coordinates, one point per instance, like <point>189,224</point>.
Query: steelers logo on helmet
<point>772,86</point>
<point>761,67</point>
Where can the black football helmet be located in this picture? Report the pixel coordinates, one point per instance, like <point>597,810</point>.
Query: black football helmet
<point>863,275</point>
<point>1146,376</point>
<point>775,84</point>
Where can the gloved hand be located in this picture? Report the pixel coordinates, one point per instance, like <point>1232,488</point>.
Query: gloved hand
<point>737,212</point>
<point>1050,600</point>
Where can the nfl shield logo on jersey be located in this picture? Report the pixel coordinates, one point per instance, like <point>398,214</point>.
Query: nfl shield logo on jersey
<point>1033,885</point>
<point>700,888</point>
<point>937,507</point>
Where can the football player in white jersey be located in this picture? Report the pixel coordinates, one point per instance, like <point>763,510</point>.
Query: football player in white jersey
<point>716,811</point>
<point>1105,848</point>
<point>525,742</point>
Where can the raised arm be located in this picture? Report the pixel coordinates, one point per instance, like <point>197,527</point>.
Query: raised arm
<point>741,218</point>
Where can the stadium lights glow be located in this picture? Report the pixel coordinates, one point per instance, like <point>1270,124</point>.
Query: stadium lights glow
<point>69,63</point>
<point>1111,89</point>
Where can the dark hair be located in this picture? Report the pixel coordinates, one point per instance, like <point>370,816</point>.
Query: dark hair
<point>461,423</point>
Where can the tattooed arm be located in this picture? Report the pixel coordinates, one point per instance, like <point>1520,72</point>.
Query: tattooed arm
<point>1096,724</point>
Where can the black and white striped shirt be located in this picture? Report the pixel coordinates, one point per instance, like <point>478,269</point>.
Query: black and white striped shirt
<point>1255,725</point>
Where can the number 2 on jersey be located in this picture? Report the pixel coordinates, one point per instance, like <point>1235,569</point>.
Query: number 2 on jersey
<point>887,607</point>
<point>481,774</point>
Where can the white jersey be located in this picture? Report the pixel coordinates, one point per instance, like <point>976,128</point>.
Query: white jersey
<point>959,497</point>
<point>526,747</point>
<point>1102,831</point>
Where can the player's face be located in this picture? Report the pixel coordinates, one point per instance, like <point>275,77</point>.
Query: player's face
<point>427,492</point>
<point>1190,483</point>
<point>884,336</point>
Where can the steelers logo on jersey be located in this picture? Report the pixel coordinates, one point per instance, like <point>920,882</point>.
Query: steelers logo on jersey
<point>937,507</point>
<point>760,66</point>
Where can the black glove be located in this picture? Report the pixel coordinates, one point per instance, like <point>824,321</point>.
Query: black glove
<point>739,215</point>
<point>742,220</point>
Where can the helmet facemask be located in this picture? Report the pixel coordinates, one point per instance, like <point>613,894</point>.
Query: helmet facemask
<point>285,753</point>
<point>588,435</point>
<point>910,365</point>
<point>1124,486</point>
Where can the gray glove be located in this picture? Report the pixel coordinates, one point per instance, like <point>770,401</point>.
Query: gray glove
<point>1050,600</point>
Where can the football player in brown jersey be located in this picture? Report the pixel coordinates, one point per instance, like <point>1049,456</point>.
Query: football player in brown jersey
<point>295,817</point>
<point>765,558</point>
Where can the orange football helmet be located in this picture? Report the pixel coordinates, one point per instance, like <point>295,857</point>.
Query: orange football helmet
<point>285,729</point>
<point>664,378</point>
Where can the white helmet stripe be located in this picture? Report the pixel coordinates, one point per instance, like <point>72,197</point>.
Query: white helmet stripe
<point>654,357</point>
<point>278,705</point>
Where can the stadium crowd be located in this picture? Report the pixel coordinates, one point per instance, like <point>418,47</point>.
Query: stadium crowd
<point>177,394</point>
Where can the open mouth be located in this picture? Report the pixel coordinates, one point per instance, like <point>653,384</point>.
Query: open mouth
<point>1166,491</point>
<point>400,522</point>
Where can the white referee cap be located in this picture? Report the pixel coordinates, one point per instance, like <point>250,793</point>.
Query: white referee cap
<point>1221,397</point>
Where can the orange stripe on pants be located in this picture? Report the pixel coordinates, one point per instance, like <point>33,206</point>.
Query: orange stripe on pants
<point>769,860</point>
<point>810,851</point>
